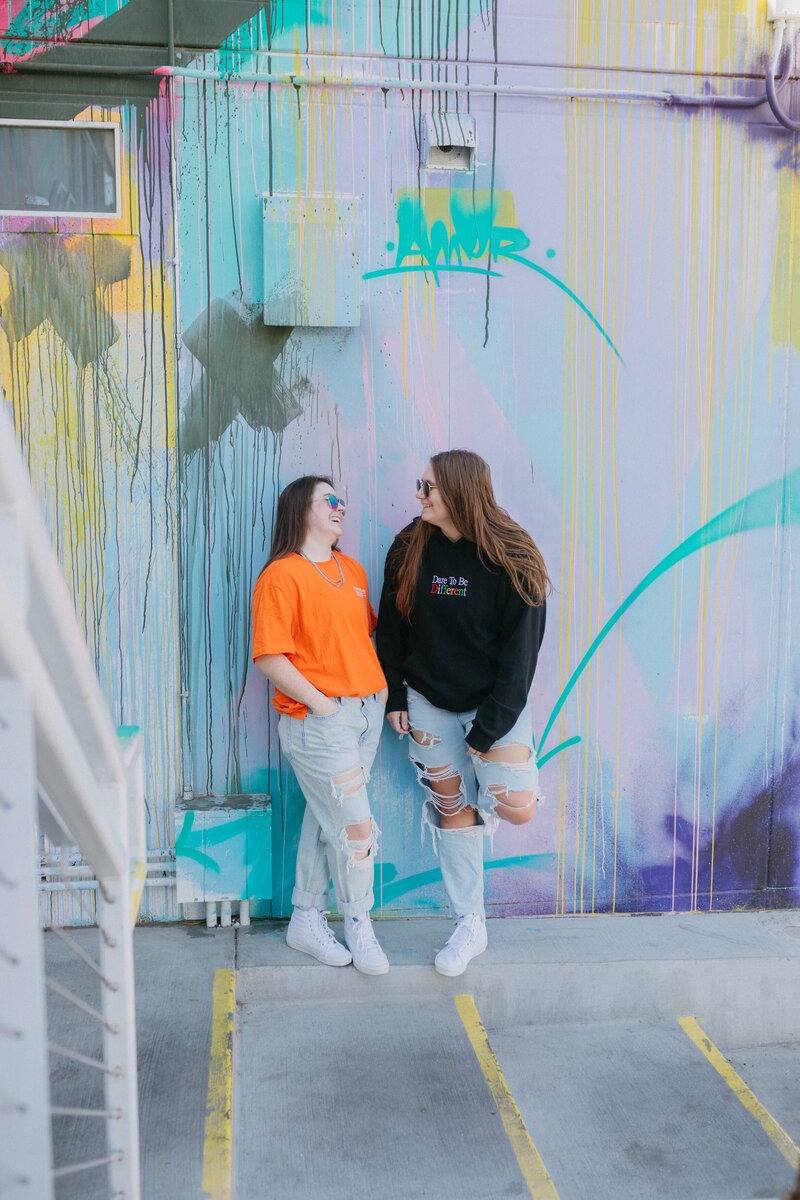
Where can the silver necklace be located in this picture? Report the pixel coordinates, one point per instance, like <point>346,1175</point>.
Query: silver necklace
<point>332,582</point>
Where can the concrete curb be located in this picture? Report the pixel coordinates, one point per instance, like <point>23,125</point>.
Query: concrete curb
<point>739,974</point>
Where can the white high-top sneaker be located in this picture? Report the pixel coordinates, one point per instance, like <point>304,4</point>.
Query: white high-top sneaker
<point>368,957</point>
<point>308,932</point>
<point>467,940</point>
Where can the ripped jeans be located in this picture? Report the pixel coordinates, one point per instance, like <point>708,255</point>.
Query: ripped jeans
<point>331,757</point>
<point>438,750</point>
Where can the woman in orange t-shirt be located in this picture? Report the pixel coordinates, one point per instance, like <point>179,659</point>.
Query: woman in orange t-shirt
<point>312,624</point>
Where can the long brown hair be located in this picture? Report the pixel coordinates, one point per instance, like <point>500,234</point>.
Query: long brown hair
<point>291,514</point>
<point>465,485</point>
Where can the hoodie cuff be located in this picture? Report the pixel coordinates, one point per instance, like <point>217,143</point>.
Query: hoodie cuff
<point>478,739</point>
<point>397,700</point>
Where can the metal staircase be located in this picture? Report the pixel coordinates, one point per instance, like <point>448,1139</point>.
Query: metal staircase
<point>68,777</point>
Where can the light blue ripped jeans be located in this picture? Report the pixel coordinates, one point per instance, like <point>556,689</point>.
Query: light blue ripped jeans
<point>441,754</point>
<point>323,750</point>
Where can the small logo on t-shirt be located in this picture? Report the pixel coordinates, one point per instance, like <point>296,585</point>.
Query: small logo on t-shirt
<point>449,585</point>
<point>360,592</point>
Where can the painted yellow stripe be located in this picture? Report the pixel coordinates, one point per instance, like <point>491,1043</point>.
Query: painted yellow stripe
<point>534,1172</point>
<point>773,1130</point>
<point>218,1145</point>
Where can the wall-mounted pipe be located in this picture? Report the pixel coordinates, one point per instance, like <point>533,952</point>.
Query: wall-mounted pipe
<point>424,85</point>
<point>90,885</point>
<point>32,67</point>
<point>374,83</point>
<point>784,39</point>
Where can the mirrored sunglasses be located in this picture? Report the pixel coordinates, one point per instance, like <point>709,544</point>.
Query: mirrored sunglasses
<point>334,501</point>
<point>425,487</point>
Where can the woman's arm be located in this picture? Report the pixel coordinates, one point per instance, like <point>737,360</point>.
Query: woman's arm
<point>515,668</point>
<point>392,644</point>
<point>288,679</point>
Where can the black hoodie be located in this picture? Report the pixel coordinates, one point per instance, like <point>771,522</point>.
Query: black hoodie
<point>472,641</point>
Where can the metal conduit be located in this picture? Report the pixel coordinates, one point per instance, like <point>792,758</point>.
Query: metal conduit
<point>783,42</point>
<point>423,85</point>
<point>669,99</point>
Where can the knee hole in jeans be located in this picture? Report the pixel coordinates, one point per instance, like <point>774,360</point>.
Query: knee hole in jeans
<point>515,807</point>
<point>445,788</point>
<point>512,756</point>
<point>348,783</point>
<point>425,739</point>
<point>512,805</point>
<point>359,835</point>
<point>360,840</point>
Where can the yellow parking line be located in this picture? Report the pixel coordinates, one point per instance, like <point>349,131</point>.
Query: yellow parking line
<point>773,1130</point>
<point>534,1172</point>
<point>218,1145</point>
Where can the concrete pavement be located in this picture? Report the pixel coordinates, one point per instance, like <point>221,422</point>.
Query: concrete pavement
<point>345,1085</point>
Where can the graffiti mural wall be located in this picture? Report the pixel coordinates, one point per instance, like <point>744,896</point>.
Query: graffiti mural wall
<point>598,295</point>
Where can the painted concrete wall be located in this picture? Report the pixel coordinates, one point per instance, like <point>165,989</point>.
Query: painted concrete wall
<point>606,309</point>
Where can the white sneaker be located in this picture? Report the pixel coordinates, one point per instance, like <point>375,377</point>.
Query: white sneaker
<point>467,940</point>
<point>367,954</point>
<point>308,932</point>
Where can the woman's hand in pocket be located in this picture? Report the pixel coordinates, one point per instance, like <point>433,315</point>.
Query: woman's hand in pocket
<point>325,707</point>
<point>398,721</point>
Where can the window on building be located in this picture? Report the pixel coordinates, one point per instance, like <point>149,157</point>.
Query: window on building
<point>59,169</point>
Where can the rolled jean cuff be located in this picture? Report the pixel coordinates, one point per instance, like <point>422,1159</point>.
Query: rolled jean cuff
<point>356,908</point>
<point>301,899</point>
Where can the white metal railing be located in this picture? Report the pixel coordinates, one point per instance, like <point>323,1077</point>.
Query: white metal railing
<point>65,774</point>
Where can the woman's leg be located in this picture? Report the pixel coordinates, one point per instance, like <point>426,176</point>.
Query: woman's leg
<point>331,757</point>
<point>308,929</point>
<point>439,753</point>
<point>508,777</point>
<point>324,754</point>
<point>312,874</point>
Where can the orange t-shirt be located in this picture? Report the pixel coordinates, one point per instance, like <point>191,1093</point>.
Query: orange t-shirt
<point>323,630</point>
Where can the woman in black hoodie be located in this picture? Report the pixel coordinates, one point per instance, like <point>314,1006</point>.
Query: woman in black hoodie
<point>460,624</point>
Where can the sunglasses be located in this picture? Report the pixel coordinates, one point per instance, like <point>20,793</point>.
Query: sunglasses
<point>425,487</point>
<point>333,501</point>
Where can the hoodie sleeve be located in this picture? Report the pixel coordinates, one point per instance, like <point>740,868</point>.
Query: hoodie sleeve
<point>515,669</point>
<point>393,637</point>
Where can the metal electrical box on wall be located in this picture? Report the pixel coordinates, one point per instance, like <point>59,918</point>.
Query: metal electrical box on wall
<point>310,261</point>
<point>223,848</point>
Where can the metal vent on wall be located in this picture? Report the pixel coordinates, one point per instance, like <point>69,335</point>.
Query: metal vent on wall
<point>448,141</point>
<point>310,260</point>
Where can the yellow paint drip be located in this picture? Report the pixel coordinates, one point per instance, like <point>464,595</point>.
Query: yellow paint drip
<point>721,24</point>
<point>785,310</point>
